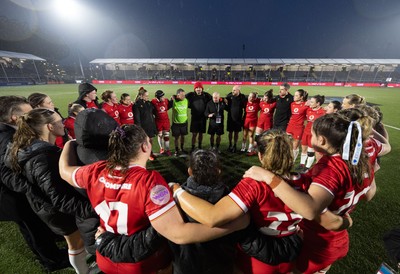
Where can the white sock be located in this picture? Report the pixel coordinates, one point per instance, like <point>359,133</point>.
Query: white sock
<point>310,161</point>
<point>159,139</point>
<point>250,148</point>
<point>303,158</point>
<point>243,146</point>
<point>295,154</point>
<point>77,258</point>
<point>166,144</point>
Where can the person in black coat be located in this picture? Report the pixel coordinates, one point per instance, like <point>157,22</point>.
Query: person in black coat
<point>198,100</point>
<point>235,104</point>
<point>34,157</point>
<point>14,205</point>
<point>215,112</point>
<point>143,113</point>
<point>283,111</point>
<point>92,130</point>
<point>215,256</point>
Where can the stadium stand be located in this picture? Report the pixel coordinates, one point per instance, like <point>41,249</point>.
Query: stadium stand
<point>242,69</point>
<point>26,69</point>
<point>22,68</point>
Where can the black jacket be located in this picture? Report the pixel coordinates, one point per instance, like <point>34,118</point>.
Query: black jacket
<point>235,107</point>
<point>197,103</point>
<point>45,190</point>
<point>7,133</point>
<point>218,110</point>
<point>143,112</point>
<point>7,181</point>
<point>215,256</point>
<point>129,249</point>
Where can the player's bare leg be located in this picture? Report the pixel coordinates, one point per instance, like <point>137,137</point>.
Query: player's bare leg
<point>244,140</point>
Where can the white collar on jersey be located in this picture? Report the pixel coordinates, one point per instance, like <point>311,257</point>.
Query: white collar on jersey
<point>130,166</point>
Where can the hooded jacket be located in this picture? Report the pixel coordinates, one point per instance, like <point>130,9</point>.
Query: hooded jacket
<point>47,192</point>
<point>8,180</point>
<point>215,256</point>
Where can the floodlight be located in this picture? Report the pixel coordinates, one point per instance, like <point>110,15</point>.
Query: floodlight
<point>67,9</point>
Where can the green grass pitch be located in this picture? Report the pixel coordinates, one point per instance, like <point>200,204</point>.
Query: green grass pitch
<point>371,220</point>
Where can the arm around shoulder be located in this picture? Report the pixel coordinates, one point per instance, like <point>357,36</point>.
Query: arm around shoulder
<point>224,211</point>
<point>171,226</point>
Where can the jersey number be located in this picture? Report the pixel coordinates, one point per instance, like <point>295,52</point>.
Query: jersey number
<point>353,200</point>
<point>104,211</point>
<point>275,228</point>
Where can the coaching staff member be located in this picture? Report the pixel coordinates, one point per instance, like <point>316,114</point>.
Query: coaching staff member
<point>215,112</point>
<point>198,100</point>
<point>236,103</point>
<point>283,111</point>
<point>179,126</point>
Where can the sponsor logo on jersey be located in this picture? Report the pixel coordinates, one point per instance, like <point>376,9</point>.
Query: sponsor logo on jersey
<point>295,110</point>
<point>113,185</point>
<point>130,114</point>
<point>162,109</point>
<point>180,108</point>
<point>159,195</point>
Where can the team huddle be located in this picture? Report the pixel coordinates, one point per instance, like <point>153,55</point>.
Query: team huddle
<point>85,178</point>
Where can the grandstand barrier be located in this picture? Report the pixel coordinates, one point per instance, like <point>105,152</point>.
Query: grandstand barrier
<point>17,84</point>
<point>30,83</point>
<point>322,84</point>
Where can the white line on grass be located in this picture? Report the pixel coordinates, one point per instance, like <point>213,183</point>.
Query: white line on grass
<point>392,127</point>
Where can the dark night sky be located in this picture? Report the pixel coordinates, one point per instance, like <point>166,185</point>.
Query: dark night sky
<point>219,29</point>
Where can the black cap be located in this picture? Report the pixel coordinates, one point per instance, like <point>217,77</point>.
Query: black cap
<point>159,94</point>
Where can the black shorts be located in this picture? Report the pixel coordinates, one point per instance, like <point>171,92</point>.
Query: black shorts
<point>198,125</point>
<point>179,129</point>
<point>60,223</point>
<point>215,129</point>
<point>234,126</point>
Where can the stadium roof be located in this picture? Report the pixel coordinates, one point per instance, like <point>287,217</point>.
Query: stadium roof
<point>247,61</point>
<point>17,55</point>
